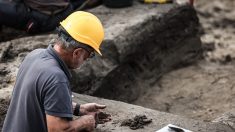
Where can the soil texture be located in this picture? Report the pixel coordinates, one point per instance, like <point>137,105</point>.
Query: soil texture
<point>103,117</point>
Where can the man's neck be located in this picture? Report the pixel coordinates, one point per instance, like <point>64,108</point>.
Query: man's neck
<point>63,54</point>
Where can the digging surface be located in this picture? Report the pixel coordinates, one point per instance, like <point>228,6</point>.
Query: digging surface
<point>121,112</point>
<point>205,89</point>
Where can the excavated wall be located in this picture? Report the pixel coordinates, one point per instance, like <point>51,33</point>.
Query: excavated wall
<point>140,50</point>
<point>141,43</point>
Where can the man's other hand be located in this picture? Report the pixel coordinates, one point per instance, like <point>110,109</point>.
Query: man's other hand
<point>90,108</point>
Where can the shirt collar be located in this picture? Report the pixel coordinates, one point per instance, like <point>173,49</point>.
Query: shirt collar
<point>63,66</point>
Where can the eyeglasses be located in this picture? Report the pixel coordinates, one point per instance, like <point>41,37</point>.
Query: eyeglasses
<point>83,46</point>
<point>91,52</point>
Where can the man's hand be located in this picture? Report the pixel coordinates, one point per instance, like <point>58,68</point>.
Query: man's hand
<point>94,109</point>
<point>90,108</point>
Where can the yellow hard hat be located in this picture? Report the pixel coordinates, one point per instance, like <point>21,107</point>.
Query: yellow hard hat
<point>86,28</point>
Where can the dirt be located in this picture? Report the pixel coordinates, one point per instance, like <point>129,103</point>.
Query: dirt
<point>206,89</point>
<point>3,110</point>
<point>139,121</point>
<point>201,91</point>
<point>103,117</point>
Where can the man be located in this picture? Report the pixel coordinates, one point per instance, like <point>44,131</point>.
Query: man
<point>41,99</point>
<point>34,16</point>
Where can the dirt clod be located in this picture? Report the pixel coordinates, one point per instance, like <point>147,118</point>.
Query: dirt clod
<point>137,122</point>
<point>103,117</point>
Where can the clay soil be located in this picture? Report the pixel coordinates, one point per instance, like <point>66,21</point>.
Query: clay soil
<point>206,89</point>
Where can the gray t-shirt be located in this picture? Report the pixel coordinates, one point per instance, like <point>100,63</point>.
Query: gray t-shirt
<point>42,87</point>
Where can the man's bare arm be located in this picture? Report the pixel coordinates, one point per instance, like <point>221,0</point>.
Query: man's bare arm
<point>58,124</point>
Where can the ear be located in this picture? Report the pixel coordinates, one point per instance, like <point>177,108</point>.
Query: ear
<point>78,52</point>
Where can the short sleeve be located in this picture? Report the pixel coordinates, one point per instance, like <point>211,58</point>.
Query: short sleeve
<point>57,100</point>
